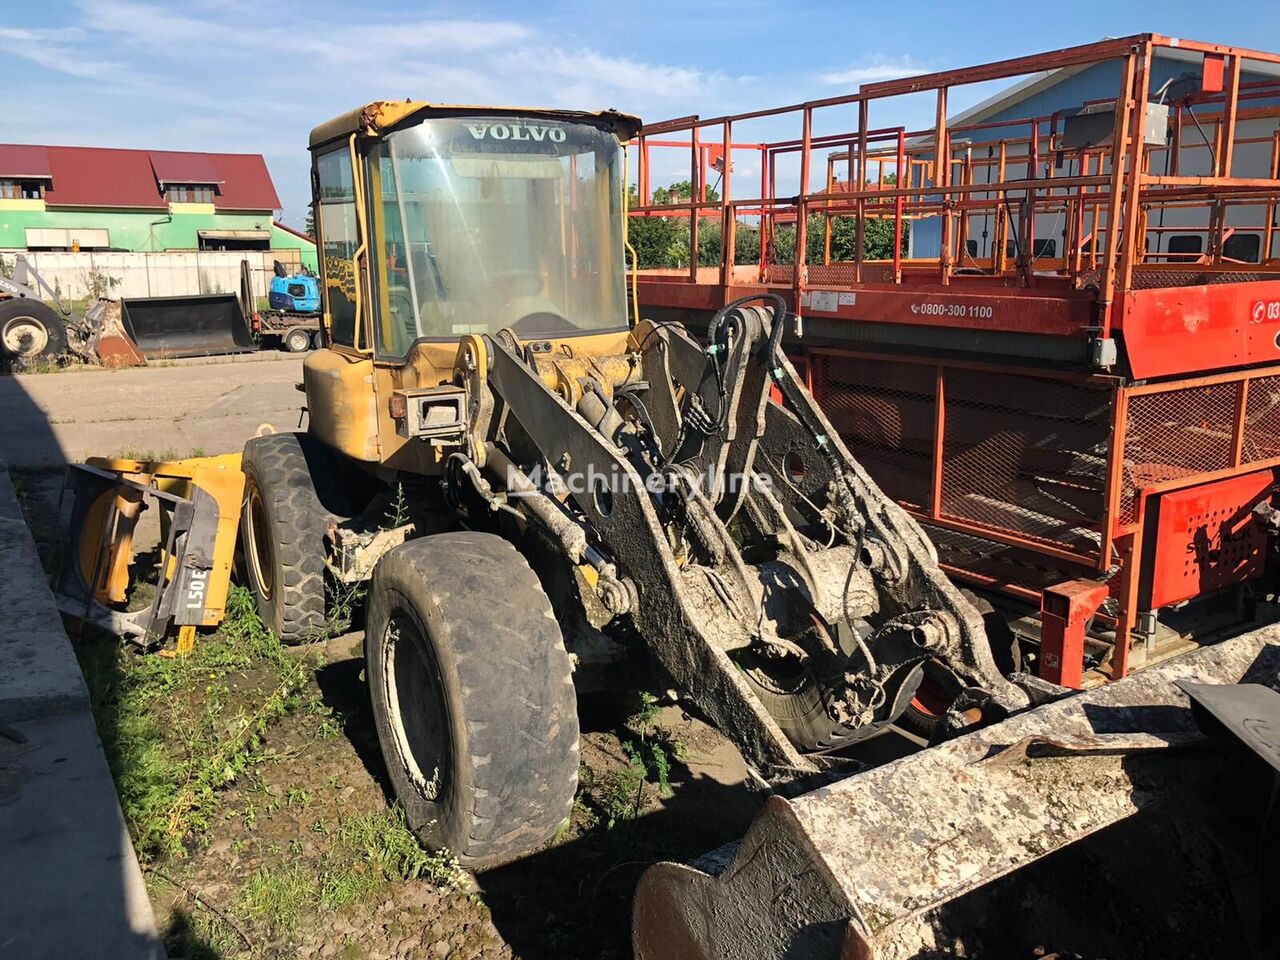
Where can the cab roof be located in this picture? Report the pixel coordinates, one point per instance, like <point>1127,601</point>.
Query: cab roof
<point>381,116</point>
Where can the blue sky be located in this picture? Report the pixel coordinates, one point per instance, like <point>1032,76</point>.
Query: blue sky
<point>230,75</point>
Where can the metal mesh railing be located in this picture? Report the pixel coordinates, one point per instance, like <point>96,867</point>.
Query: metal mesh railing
<point>1176,433</point>
<point>1262,420</point>
<point>883,410</point>
<point>1026,455</point>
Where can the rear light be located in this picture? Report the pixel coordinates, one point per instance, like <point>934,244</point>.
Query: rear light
<point>397,406</point>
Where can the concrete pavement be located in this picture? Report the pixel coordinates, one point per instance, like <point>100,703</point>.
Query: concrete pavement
<point>212,406</point>
<point>71,886</point>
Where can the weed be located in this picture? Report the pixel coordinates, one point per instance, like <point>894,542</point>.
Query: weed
<point>386,843</point>
<point>397,512</point>
<point>297,797</point>
<point>322,827</point>
<point>341,602</point>
<point>278,896</point>
<point>656,749</point>
<point>623,793</point>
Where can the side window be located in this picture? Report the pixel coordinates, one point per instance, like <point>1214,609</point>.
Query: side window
<point>1186,243</point>
<point>340,235</point>
<point>1243,246</point>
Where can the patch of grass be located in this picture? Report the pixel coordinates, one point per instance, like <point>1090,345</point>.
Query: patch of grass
<point>38,365</point>
<point>149,454</point>
<point>349,885</point>
<point>172,738</point>
<point>279,896</point>
<point>619,794</point>
<point>384,841</point>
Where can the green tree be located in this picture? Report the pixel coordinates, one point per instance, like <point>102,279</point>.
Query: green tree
<point>682,192</point>
<point>877,240</point>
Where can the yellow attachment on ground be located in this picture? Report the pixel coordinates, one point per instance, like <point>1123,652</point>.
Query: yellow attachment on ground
<point>218,477</point>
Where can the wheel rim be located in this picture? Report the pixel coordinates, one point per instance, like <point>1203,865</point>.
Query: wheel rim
<point>936,693</point>
<point>24,337</point>
<point>929,701</point>
<point>419,724</point>
<point>299,342</point>
<point>260,555</point>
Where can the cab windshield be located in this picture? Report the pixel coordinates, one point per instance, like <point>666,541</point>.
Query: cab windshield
<point>492,222</point>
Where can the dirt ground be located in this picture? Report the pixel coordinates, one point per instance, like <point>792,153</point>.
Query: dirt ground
<point>571,900</point>
<point>255,790</point>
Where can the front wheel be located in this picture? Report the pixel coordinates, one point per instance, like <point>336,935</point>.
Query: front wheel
<point>473,696</point>
<point>282,527</point>
<point>28,330</point>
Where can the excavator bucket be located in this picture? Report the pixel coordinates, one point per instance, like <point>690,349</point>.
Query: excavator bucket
<point>200,326</point>
<point>196,503</point>
<point>895,862</point>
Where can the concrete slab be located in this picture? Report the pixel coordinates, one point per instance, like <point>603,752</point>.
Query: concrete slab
<point>70,886</point>
<point>39,675</point>
<point>9,509</point>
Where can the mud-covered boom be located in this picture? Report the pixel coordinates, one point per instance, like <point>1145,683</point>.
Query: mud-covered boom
<point>736,531</point>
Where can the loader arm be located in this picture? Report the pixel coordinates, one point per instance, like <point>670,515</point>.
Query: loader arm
<point>729,568</point>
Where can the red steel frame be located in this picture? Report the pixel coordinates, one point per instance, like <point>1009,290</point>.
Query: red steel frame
<point>1173,317</point>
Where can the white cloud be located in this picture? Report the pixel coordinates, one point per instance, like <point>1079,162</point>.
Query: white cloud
<point>569,76</point>
<point>234,75</point>
<point>877,68</point>
<point>55,49</point>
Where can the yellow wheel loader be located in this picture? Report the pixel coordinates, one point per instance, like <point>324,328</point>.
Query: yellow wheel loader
<point>533,481</point>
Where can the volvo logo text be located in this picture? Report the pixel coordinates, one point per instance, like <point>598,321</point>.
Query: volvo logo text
<point>516,131</point>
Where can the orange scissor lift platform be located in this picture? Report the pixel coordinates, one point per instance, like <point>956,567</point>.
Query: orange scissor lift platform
<point>1077,393</point>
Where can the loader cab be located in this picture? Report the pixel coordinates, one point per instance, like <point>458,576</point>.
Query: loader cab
<point>439,222</point>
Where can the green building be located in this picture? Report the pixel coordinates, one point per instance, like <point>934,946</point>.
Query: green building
<point>96,198</point>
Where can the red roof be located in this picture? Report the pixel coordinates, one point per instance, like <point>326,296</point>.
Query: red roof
<point>25,162</point>
<point>184,167</point>
<point>107,177</point>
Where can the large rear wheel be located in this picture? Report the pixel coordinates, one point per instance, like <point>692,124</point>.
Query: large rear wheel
<point>472,695</point>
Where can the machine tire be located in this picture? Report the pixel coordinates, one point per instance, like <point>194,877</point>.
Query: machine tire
<point>29,329</point>
<point>282,527</point>
<point>931,701</point>
<point>473,696</point>
<point>297,340</point>
<point>796,705</point>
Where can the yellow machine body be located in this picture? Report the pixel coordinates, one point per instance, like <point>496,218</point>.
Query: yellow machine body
<point>351,386</point>
<point>105,547</point>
